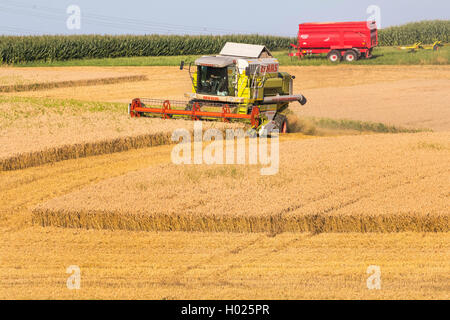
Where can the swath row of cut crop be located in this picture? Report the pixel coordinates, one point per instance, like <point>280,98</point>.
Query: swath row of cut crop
<point>79,150</point>
<point>70,83</point>
<point>316,223</point>
<point>93,148</point>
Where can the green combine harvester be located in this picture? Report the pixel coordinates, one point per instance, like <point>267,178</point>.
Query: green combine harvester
<point>243,83</point>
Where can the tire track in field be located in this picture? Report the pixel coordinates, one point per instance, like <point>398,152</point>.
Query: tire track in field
<point>400,184</point>
<point>220,273</point>
<point>320,221</point>
<point>387,188</point>
<point>177,277</point>
<point>353,186</point>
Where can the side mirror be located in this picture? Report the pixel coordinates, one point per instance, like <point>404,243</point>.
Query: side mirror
<point>181,65</point>
<point>293,77</point>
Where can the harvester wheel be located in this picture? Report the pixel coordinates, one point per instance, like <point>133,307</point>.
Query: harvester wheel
<point>284,127</point>
<point>282,123</point>
<point>350,56</point>
<point>334,56</point>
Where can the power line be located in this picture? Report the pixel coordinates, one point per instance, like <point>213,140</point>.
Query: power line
<point>112,22</point>
<point>114,25</point>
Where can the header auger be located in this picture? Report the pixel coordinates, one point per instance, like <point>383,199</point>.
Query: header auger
<point>241,84</point>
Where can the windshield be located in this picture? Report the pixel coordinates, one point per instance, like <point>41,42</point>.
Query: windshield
<point>212,81</point>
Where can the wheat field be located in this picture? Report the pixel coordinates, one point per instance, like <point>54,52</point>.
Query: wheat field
<point>121,264</point>
<point>346,184</point>
<point>180,265</point>
<point>100,128</point>
<point>411,96</point>
<point>140,227</point>
<point>171,83</point>
<point>10,76</point>
<point>408,103</point>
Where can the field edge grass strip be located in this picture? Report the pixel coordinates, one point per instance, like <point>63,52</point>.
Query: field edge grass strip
<point>275,224</point>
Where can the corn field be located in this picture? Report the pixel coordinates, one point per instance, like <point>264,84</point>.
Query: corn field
<point>17,49</point>
<point>424,31</point>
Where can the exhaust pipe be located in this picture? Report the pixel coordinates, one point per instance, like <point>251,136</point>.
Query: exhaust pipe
<point>288,98</point>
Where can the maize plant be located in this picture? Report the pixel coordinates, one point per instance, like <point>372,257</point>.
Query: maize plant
<point>424,31</point>
<point>16,49</point>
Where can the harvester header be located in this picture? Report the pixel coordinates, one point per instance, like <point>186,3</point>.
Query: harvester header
<point>242,83</point>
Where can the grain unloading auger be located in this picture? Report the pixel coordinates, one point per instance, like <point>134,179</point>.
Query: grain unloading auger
<point>243,83</point>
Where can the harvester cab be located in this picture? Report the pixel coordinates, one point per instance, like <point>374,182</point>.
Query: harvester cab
<point>242,83</point>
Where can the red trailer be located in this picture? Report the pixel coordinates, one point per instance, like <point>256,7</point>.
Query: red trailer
<point>348,40</point>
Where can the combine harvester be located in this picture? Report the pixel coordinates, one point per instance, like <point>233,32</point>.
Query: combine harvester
<point>243,83</point>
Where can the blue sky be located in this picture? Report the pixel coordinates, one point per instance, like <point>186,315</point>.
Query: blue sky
<point>204,16</point>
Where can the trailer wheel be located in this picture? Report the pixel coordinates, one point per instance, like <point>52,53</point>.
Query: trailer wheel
<point>334,56</point>
<point>282,123</point>
<point>350,56</point>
